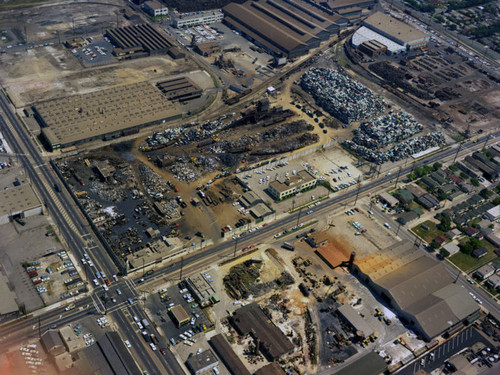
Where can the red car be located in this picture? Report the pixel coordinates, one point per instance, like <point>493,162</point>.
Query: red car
<point>107,282</point>
<point>163,351</point>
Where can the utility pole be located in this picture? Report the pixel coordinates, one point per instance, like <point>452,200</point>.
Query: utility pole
<point>378,170</point>
<point>182,266</point>
<point>39,327</point>
<point>486,141</point>
<point>397,178</point>
<point>298,217</point>
<point>458,150</point>
<point>467,131</point>
<point>235,246</point>
<point>399,226</point>
<point>359,189</point>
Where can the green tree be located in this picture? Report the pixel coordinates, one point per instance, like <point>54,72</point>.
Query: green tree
<point>434,245</point>
<point>475,243</point>
<point>464,175</point>
<point>444,253</point>
<point>485,193</point>
<point>453,168</point>
<point>437,165</point>
<point>474,181</point>
<point>445,224</point>
<point>466,248</point>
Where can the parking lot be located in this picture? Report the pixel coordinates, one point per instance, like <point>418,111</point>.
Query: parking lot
<point>333,165</point>
<point>436,358</point>
<point>54,276</point>
<point>97,52</point>
<point>174,296</point>
<point>201,34</point>
<point>30,243</point>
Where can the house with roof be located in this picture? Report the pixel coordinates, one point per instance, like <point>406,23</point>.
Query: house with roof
<point>480,252</point>
<point>493,281</point>
<point>471,231</point>
<point>453,233</point>
<point>484,272</point>
<point>441,239</point>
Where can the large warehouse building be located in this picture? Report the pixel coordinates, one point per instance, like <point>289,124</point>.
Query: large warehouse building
<point>140,40</point>
<point>18,202</point>
<point>397,36</point>
<point>419,288</point>
<point>103,114</point>
<point>285,28</point>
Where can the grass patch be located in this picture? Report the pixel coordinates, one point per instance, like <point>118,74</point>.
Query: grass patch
<point>457,137</point>
<point>468,264</point>
<point>427,235</point>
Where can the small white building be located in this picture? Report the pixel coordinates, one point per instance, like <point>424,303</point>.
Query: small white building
<point>493,213</point>
<point>155,8</point>
<point>452,248</point>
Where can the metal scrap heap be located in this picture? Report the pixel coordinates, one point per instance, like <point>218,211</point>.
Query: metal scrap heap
<point>385,130</point>
<point>341,96</point>
<point>399,151</point>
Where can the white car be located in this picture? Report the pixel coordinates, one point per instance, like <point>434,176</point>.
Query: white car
<point>128,344</point>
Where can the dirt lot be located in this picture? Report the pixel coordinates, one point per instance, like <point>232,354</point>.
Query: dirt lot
<point>53,71</point>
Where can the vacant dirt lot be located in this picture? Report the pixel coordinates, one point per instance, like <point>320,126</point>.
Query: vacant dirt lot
<point>53,71</point>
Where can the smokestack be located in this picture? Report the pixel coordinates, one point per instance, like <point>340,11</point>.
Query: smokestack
<point>257,346</point>
<point>351,260</point>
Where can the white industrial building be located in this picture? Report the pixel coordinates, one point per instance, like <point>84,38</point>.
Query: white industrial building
<point>197,18</point>
<point>364,34</point>
<point>155,8</point>
<point>397,36</point>
<point>18,202</point>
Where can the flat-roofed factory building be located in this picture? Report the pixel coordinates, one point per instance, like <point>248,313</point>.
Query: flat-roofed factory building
<point>419,288</point>
<point>9,308</point>
<point>179,315</point>
<point>104,114</point>
<point>181,89</point>
<point>18,202</point>
<point>201,288</point>
<point>301,181</point>
<point>155,8</point>
<point>285,28</point>
<point>203,362</point>
<point>381,28</point>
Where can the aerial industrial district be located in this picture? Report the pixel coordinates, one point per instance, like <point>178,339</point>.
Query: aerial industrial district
<point>249,187</point>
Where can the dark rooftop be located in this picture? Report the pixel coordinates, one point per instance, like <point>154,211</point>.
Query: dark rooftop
<point>231,360</point>
<point>250,319</point>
